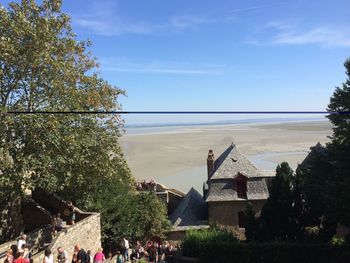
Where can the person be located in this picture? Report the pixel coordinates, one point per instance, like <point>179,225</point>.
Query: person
<point>119,257</point>
<point>59,223</point>
<point>110,256</point>
<point>71,209</point>
<point>99,256</point>
<point>48,256</point>
<point>134,255</point>
<point>26,254</point>
<point>74,257</point>
<point>9,256</point>
<point>53,224</point>
<point>139,250</point>
<point>153,254</point>
<point>19,258</point>
<point>82,257</point>
<point>161,254</point>
<point>62,256</point>
<point>21,242</point>
<point>89,257</point>
<point>125,249</point>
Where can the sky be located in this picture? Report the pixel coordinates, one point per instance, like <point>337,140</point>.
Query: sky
<point>216,55</point>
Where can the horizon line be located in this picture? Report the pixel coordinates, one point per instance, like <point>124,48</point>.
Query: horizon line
<point>175,112</point>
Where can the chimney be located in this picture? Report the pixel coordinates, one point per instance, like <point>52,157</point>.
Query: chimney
<point>210,163</point>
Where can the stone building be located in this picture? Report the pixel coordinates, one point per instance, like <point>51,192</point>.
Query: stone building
<point>232,182</point>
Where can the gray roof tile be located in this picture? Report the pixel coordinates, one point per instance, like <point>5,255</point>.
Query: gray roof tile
<point>222,186</point>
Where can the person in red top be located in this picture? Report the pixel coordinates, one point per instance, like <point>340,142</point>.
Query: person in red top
<point>20,258</point>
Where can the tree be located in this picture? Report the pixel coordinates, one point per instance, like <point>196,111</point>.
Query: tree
<point>252,227</point>
<point>316,184</point>
<point>276,215</point>
<point>135,215</point>
<point>339,149</point>
<point>44,68</point>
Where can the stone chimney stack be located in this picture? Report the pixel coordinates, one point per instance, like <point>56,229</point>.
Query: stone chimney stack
<point>210,163</point>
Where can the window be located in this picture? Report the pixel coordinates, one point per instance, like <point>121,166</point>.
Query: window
<point>241,187</point>
<point>241,219</point>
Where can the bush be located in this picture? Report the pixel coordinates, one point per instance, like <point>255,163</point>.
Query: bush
<point>195,240</point>
<point>218,250</point>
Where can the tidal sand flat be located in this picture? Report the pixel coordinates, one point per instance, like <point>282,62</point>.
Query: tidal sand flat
<point>176,156</point>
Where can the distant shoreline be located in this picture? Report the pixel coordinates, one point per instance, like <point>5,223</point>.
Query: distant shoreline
<point>148,129</point>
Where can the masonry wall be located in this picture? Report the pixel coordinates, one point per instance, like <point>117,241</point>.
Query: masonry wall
<point>226,213</point>
<point>86,232</point>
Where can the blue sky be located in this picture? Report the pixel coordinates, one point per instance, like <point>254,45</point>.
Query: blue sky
<point>217,55</point>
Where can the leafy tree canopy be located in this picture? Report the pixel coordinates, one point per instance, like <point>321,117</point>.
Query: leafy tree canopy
<point>43,67</point>
<point>339,149</point>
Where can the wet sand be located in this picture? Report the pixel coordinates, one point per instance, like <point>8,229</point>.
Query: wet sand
<point>176,157</point>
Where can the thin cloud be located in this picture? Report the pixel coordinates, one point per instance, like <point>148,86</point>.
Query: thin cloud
<point>247,9</point>
<point>323,36</point>
<point>184,22</point>
<point>115,28</point>
<point>165,68</point>
<point>233,13</point>
<point>280,33</point>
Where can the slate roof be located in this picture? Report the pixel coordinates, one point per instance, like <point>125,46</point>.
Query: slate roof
<point>222,184</point>
<point>225,190</point>
<point>192,210</point>
<point>317,150</point>
<point>231,162</point>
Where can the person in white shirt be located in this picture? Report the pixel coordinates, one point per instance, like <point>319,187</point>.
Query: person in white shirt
<point>21,242</point>
<point>48,256</point>
<point>125,249</point>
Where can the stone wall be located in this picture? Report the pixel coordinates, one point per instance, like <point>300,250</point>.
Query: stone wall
<point>86,232</point>
<point>226,213</point>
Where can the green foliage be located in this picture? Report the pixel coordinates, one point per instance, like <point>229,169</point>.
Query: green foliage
<point>339,149</point>
<point>276,215</point>
<point>193,242</point>
<point>315,182</point>
<point>252,227</point>
<point>270,253</point>
<point>43,67</point>
<point>337,241</point>
<point>284,216</point>
<point>137,216</point>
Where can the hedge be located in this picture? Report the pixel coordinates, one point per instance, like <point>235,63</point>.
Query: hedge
<point>223,250</point>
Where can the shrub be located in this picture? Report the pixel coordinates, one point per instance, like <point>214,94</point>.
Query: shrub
<point>194,241</point>
<point>222,251</point>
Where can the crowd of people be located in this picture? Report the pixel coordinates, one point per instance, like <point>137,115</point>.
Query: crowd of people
<point>146,186</point>
<point>151,252</point>
<point>21,253</point>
